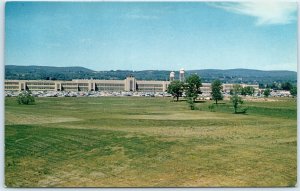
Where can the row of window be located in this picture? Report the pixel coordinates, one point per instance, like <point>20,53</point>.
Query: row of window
<point>110,88</point>
<point>80,88</point>
<point>69,84</point>
<point>70,88</point>
<point>101,84</point>
<point>157,89</point>
<point>40,88</point>
<point>40,83</point>
<point>150,85</point>
<point>11,83</point>
<point>83,84</point>
<point>12,87</point>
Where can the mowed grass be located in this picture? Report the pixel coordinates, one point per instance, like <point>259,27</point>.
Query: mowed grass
<point>149,142</point>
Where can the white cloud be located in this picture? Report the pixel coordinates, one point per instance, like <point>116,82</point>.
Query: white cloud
<point>267,12</point>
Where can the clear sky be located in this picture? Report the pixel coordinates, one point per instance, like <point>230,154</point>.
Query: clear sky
<point>155,36</point>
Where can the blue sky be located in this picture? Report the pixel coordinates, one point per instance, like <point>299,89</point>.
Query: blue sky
<point>142,36</point>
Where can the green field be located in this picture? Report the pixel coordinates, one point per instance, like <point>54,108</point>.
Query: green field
<point>149,142</point>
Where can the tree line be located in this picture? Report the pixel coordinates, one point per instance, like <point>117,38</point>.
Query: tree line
<point>271,79</point>
<point>192,84</point>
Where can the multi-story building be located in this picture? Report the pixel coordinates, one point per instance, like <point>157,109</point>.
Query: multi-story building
<point>128,84</point>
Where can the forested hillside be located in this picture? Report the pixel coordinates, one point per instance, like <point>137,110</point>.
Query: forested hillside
<point>68,73</point>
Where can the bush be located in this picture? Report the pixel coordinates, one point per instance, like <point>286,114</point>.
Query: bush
<point>26,98</point>
<point>236,100</point>
<point>191,103</point>
<point>244,110</point>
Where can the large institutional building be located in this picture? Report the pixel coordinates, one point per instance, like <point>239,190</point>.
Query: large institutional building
<point>128,84</point>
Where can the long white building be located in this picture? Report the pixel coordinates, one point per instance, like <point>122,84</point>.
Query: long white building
<point>128,84</point>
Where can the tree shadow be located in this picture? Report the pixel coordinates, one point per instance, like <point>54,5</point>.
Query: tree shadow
<point>241,113</point>
<point>200,101</point>
<point>220,103</point>
<point>178,100</point>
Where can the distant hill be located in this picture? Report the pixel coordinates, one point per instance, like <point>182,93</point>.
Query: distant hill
<point>49,69</point>
<point>248,75</point>
<point>207,75</point>
<point>45,72</point>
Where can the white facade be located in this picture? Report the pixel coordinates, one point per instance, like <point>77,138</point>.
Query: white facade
<point>181,75</point>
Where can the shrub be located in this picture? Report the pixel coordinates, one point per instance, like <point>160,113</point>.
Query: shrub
<point>26,98</point>
<point>267,92</point>
<point>236,100</point>
<point>191,103</point>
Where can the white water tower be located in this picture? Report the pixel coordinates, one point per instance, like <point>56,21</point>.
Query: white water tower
<point>172,76</point>
<point>181,75</point>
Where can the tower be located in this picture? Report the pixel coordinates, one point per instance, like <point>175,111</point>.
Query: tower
<point>172,76</point>
<point>181,75</point>
<point>130,84</point>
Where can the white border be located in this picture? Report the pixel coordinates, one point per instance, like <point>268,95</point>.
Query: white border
<point>2,31</point>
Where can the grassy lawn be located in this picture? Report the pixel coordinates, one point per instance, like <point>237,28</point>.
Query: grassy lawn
<point>149,142</point>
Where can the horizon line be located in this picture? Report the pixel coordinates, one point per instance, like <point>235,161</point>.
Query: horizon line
<point>151,69</point>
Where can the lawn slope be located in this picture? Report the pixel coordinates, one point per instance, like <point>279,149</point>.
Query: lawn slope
<point>148,142</point>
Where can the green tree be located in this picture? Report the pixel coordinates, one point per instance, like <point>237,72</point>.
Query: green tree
<point>26,98</point>
<point>243,91</point>
<point>293,91</point>
<point>275,86</point>
<point>216,88</point>
<point>191,103</point>
<point>237,89</point>
<point>235,98</point>
<point>286,86</point>
<point>192,86</point>
<point>267,92</point>
<point>250,90</point>
<point>247,91</point>
<point>176,88</point>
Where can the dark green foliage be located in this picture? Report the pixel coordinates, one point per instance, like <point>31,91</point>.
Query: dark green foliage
<point>235,98</point>
<point>26,98</point>
<point>243,92</point>
<point>176,88</point>
<point>281,85</point>
<point>286,86</point>
<point>267,92</point>
<point>192,86</point>
<point>69,73</point>
<point>247,76</point>
<point>216,88</point>
<point>250,90</point>
<point>247,91</point>
<point>237,90</point>
<point>274,86</point>
<point>293,91</point>
<point>191,103</point>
